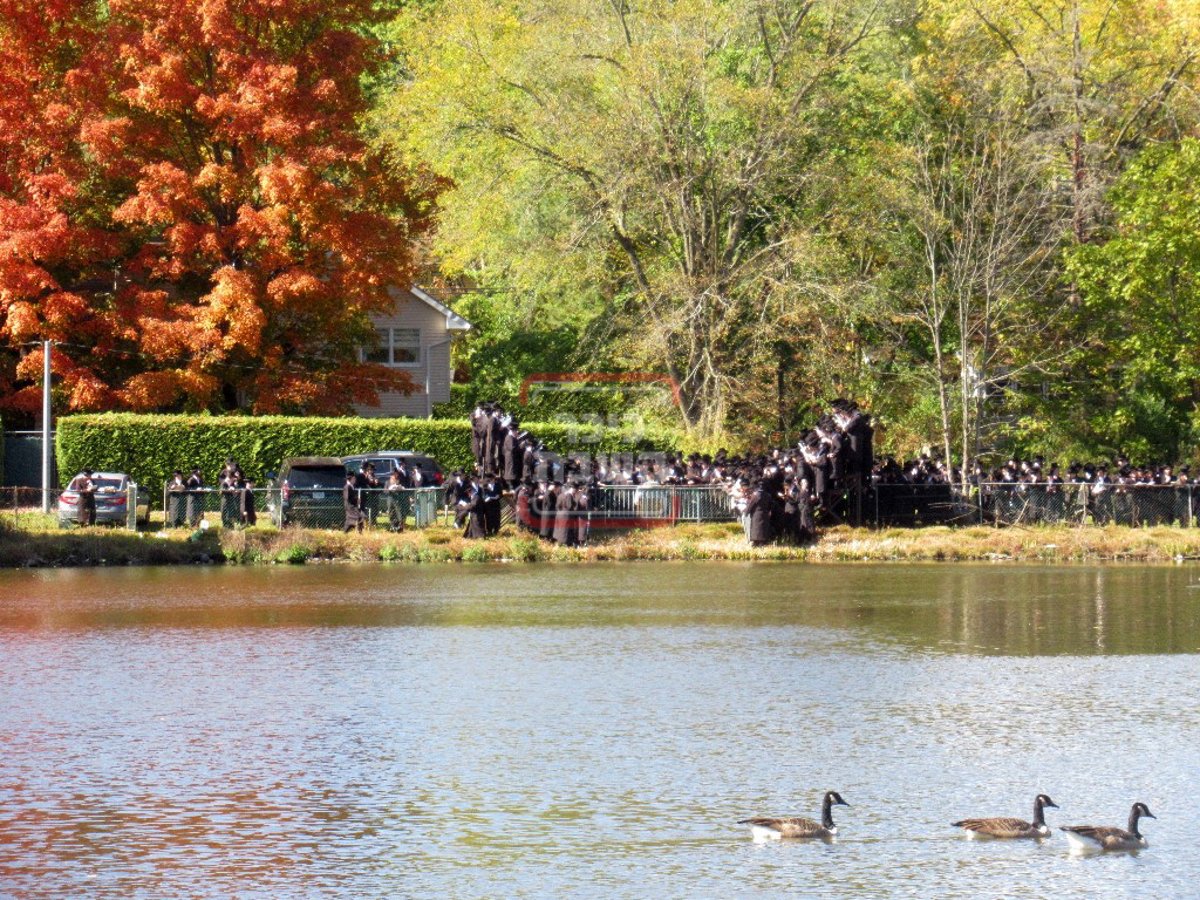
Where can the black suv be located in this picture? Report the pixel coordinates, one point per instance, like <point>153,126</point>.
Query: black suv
<point>385,461</point>
<point>310,492</point>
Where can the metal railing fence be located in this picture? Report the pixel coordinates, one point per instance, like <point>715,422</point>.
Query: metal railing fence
<point>638,505</point>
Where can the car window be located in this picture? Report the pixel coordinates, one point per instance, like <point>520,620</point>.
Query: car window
<point>107,484</point>
<point>317,477</point>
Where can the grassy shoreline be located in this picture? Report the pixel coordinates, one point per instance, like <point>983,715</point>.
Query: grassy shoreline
<point>716,541</point>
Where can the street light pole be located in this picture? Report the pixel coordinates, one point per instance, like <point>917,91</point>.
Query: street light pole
<point>46,345</point>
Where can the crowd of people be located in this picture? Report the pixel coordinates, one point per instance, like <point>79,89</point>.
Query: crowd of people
<point>186,497</point>
<point>1033,490</point>
<point>780,494</point>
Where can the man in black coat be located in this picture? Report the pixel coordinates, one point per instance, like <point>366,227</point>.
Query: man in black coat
<point>472,506</point>
<point>176,491</point>
<point>495,442</point>
<point>85,490</point>
<point>856,425</point>
<point>564,522</point>
<point>457,490</point>
<point>491,506</point>
<point>195,498</point>
<point>759,509</point>
<point>352,500</point>
<point>547,507</point>
<point>479,418</point>
<point>583,503</point>
<point>529,457</point>
<point>513,457</point>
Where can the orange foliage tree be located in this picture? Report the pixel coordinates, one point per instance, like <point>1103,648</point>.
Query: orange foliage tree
<point>189,205</point>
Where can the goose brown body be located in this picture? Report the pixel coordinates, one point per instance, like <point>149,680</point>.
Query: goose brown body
<point>1007,827</point>
<point>795,827</point>
<point>1109,838</point>
<point>798,826</point>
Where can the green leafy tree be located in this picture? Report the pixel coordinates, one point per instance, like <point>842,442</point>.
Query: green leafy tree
<point>664,165</point>
<point>1141,291</point>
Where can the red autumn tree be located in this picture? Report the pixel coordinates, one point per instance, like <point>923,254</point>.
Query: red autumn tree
<point>51,246</point>
<point>244,229</point>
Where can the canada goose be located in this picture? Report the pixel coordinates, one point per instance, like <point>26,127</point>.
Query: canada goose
<point>773,829</point>
<point>1011,828</point>
<point>1099,838</point>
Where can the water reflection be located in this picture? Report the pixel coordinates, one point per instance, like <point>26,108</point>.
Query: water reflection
<point>984,609</point>
<point>534,731</point>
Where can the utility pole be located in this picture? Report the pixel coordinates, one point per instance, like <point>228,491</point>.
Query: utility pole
<point>46,345</point>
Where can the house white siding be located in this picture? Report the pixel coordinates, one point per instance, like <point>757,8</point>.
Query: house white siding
<point>436,326</point>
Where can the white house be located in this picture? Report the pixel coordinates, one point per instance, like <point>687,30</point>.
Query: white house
<point>415,337</point>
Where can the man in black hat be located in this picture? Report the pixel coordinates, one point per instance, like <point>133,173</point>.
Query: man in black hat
<point>352,501</point>
<point>195,497</point>
<point>472,506</point>
<point>761,510</point>
<point>176,498</point>
<point>564,523</point>
<point>491,505</point>
<point>512,455</point>
<point>548,507</point>
<point>85,490</point>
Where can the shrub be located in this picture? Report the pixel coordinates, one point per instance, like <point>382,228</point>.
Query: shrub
<point>389,553</point>
<point>474,553</point>
<point>150,447</point>
<point>294,554</point>
<point>527,549</point>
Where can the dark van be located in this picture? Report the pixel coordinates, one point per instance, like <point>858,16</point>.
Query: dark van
<point>310,492</point>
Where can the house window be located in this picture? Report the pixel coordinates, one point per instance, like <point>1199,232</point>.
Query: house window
<point>395,347</point>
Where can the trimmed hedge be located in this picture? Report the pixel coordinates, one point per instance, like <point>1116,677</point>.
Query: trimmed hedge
<point>150,447</point>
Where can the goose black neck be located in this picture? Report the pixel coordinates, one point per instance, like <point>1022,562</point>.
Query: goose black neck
<point>827,812</point>
<point>1039,812</point>
<point>1134,815</point>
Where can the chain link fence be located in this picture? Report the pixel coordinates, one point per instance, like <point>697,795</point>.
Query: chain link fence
<point>914,505</point>
<point>378,508</point>
<point>611,506</point>
<point>32,509</point>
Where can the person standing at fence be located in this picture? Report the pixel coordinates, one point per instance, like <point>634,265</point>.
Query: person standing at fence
<point>249,515</point>
<point>491,506</point>
<point>230,497</point>
<point>759,508</point>
<point>85,489</point>
<point>511,457</point>
<point>195,498</point>
<point>479,420</point>
<point>564,524</point>
<point>546,509</point>
<point>352,500</point>
<point>583,503</point>
<point>397,499</point>
<point>176,500</point>
<point>523,503</point>
<point>457,489</point>
<point>368,486</point>
<point>473,507</point>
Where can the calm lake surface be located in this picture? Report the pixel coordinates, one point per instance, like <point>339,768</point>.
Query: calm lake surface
<point>507,731</point>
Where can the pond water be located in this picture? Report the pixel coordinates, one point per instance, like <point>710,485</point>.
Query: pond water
<point>507,731</point>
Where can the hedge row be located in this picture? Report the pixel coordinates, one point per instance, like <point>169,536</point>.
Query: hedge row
<point>150,447</point>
